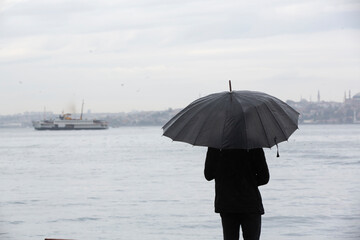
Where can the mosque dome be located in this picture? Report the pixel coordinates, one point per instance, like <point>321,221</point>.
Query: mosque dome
<point>356,96</point>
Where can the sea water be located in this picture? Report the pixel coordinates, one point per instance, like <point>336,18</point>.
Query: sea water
<point>133,183</point>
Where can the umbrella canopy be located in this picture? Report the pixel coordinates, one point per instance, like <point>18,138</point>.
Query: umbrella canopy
<point>234,120</point>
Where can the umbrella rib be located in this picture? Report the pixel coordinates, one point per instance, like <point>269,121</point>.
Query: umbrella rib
<point>184,111</point>
<point>246,133</point>
<point>204,123</point>
<point>277,121</point>
<point>244,98</point>
<point>205,105</point>
<point>281,109</point>
<point>257,112</point>
<point>224,124</point>
<point>290,108</point>
<point>263,127</point>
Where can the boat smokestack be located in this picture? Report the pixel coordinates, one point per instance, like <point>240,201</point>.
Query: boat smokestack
<point>82,108</point>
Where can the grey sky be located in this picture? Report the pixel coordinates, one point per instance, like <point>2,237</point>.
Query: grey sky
<point>154,54</point>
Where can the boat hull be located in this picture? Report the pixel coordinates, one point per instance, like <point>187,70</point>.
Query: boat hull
<point>70,125</point>
<point>69,129</point>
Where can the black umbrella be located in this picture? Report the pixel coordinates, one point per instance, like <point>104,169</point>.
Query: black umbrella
<point>234,120</point>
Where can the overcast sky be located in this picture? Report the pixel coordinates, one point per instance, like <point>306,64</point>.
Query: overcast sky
<point>127,55</point>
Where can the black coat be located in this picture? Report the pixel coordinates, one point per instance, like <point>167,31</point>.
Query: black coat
<point>237,174</point>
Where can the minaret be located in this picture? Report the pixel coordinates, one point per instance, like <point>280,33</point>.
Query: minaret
<point>345,96</point>
<point>318,97</point>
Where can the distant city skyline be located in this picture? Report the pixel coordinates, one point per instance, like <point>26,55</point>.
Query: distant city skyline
<point>71,108</point>
<point>121,56</point>
<point>346,95</point>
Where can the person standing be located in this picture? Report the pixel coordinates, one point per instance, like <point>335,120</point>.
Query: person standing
<point>237,174</point>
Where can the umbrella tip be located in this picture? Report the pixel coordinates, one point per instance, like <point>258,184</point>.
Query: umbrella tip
<point>277,148</point>
<point>230,85</point>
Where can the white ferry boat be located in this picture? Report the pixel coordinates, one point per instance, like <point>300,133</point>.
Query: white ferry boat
<point>66,122</point>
